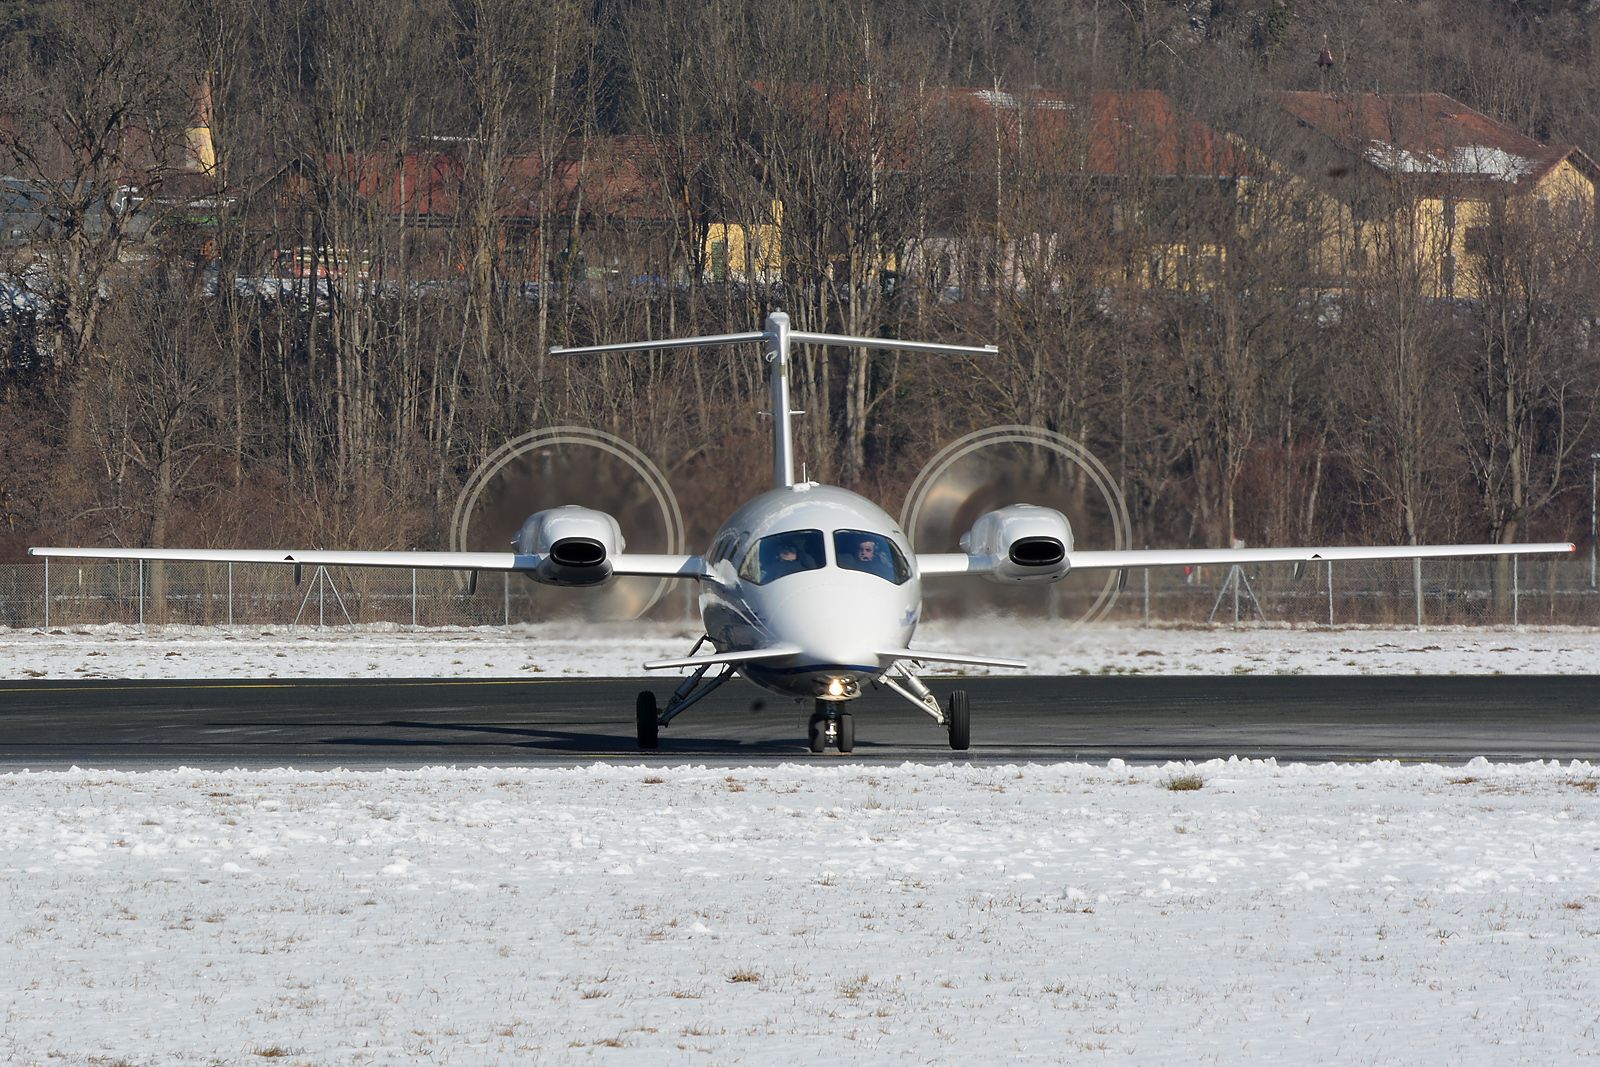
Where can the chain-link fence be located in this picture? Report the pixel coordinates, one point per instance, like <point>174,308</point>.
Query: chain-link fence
<point>69,593</point>
<point>1476,592</point>
<point>1404,593</point>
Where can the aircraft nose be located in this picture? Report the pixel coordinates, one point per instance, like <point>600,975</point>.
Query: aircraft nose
<point>838,626</point>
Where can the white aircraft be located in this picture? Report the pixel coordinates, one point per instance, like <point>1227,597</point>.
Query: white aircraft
<point>808,590</point>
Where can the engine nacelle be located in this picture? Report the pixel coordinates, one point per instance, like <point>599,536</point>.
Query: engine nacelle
<point>1022,542</point>
<point>577,545</point>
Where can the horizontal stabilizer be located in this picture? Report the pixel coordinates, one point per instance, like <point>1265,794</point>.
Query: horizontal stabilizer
<point>752,655</point>
<point>713,341</point>
<point>926,655</point>
<point>892,344</point>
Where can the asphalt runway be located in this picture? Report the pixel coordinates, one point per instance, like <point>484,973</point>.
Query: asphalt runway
<point>373,724</point>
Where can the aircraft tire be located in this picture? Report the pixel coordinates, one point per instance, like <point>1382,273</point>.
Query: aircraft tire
<point>817,733</point>
<point>847,732</point>
<point>957,711</point>
<point>645,720</point>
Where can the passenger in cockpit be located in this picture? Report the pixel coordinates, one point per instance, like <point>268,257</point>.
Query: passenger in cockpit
<point>860,551</point>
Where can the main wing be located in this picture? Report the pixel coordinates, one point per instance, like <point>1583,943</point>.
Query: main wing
<point>626,564</point>
<point>934,564</point>
<point>1223,557</point>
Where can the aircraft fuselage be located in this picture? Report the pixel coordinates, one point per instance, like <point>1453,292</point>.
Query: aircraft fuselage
<point>818,568</point>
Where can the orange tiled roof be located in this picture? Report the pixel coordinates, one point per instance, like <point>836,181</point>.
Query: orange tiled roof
<point>1108,133</point>
<point>1425,136</point>
<point>616,176</point>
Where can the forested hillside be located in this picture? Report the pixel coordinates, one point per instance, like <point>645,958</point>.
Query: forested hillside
<point>286,271</point>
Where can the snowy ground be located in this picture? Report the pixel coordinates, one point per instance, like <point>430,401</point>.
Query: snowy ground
<point>618,650</point>
<point>1069,913</point>
<point>798,914</point>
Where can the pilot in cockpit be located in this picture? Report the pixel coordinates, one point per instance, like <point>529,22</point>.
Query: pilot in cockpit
<point>783,555</point>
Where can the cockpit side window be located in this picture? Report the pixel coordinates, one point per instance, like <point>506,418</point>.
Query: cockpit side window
<point>779,555</point>
<point>724,548</point>
<point>860,550</point>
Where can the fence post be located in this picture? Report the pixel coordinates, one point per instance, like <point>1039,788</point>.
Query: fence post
<point>230,594</point>
<point>141,593</point>
<point>1146,576</point>
<point>1416,581</point>
<point>1516,594</point>
<point>47,592</point>
<point>506,576</point>
<point>1330,592</point>
<point>413,598</point>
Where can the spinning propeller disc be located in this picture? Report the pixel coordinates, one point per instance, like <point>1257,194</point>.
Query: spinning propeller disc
<point>562,465</point>
<point>1003,465</point>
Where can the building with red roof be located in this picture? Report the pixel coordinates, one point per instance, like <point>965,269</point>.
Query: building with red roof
<point>1423,177</point>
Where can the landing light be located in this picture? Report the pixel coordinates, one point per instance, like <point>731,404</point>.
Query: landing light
<point>837,687</point>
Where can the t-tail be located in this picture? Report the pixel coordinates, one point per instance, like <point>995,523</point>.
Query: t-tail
<point>776,340</point>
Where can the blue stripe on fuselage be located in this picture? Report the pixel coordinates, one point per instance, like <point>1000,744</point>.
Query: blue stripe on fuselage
<point>810,668</point>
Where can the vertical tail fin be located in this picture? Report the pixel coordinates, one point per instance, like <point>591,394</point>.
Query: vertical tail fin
<point>775,340</point>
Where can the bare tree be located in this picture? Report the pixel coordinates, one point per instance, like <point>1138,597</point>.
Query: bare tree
<point>1529,397</point>
<point>99,97</point>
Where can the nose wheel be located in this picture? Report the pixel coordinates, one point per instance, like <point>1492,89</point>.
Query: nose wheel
<point>831,726</point>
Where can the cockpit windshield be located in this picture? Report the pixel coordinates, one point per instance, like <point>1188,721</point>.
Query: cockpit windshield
<point>858,550</point>
<point>782,554</point>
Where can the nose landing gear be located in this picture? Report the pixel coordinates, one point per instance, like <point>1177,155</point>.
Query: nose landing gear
<point>831,725</point>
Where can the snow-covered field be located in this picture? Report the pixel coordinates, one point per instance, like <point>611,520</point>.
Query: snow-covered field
<point>797,914</point>
<point>1069,913</point>
<point>618,650</point>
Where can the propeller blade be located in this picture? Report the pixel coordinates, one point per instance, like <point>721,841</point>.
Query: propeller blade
<point>1003,465</point>
<point>574,465</point>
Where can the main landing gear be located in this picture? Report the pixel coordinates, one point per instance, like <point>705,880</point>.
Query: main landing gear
<point>648,719</point>
<point>955,716</point>
<point>832,725</point>
<point>958,721</point>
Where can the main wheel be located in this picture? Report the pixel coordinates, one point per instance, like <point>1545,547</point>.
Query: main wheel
<point>645,720</point>
<point>817,733</point>
<point>959,721</point>
<point>847,732</point>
